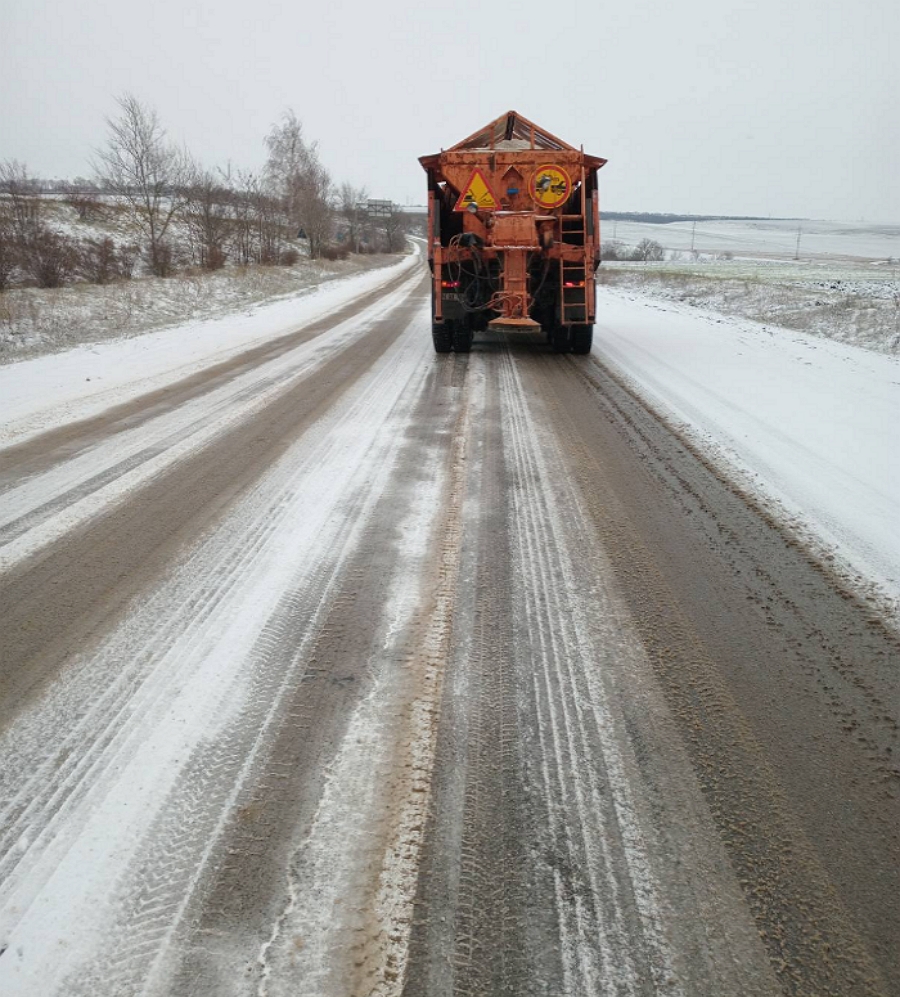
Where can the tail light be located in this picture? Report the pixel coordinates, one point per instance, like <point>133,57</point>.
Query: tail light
<point>450,284</point>
<point>574,283</point>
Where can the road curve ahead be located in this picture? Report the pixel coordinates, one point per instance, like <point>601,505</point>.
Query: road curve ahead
<point>343,669</point>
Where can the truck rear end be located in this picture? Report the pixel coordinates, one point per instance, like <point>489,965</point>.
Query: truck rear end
<point>513,236</point>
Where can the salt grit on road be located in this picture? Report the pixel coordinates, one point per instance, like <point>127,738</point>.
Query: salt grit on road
<point>809,423</point>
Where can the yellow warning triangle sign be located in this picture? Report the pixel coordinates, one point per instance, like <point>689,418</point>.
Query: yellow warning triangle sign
<point>477,192</point>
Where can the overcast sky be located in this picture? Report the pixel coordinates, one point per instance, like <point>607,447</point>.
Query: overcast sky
<point>769,107</point>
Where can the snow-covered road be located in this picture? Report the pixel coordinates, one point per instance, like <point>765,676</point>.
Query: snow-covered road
<point>812,424</point>
<point>332,668</point>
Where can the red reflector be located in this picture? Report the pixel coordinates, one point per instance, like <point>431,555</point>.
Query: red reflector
<point>449,283</point>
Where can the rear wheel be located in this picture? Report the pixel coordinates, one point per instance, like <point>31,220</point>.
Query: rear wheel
<point>582,338</point>
<point>462,337</point>
<point>442,336</point>
<point>559,339</point>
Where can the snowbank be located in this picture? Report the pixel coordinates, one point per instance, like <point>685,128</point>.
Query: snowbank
<point>807,422</point>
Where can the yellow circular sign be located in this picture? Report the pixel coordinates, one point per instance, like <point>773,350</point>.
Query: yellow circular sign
<point>550,186</point>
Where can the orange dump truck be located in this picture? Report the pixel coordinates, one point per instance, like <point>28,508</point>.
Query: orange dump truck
<point>513,236</point>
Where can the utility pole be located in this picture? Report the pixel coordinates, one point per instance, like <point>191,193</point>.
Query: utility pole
<point>693,230</point>
<point>797,250</point>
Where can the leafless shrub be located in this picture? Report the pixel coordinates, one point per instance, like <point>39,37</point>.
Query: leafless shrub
<point>165,259</point>
<point>85,202</point>
<point>289,257</point>
<point>331,252</point>
<point>9,256</point>
<point>269,236</point>
<point>48,258</point>
<point>207,217</point>
<point>21,206</point>
<point>647,251</point>
<point>98,261</point>
<point>370,248</point>
<point>612,250</point>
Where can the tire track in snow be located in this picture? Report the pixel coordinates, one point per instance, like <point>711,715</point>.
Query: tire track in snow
<point>72,758</point>
<point>110,558</point>
<point>334,477</point>
<point>553,855</point>
<point>616,913</point>
<point>376,797</point>
<point>673,550</point>
<point>37,511</point>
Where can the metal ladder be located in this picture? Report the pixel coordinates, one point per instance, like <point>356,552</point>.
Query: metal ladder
<point>572,277</point>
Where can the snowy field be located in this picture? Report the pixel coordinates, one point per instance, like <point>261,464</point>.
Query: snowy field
<point>853,303</point>
<point>770,362</point>
<point>807,424</point>
<point>773,238</point>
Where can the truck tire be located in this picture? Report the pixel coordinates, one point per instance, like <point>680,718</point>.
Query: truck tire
<point>462,337</point>
<point>582,338</point>
<point>559,339</point>
<point>442,336</point>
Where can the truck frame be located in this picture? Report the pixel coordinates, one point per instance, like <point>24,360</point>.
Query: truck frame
<point>513,236</point>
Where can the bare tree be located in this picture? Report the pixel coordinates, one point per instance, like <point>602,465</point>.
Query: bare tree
<point>146,171</point>
<point>351,204</point>
<point>315,210</point>
<point>298,179</point>
<point>9,257</point>
<point>23,197</point>
<point>29,245</point>
<point>257,228</point>
<point>243,227</point>
<point>268,225</point>
<point>396,226</point>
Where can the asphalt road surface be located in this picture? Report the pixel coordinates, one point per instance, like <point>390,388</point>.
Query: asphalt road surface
<point>345,669</point>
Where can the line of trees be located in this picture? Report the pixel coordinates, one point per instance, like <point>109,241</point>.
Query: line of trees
<point>177,213</point>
